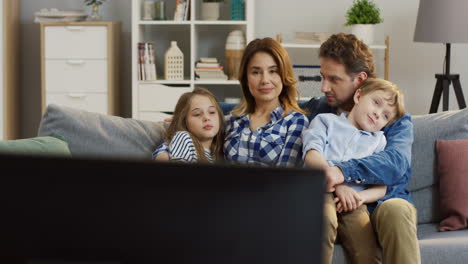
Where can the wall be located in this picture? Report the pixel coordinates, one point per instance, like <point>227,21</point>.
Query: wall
<point>412,65</point>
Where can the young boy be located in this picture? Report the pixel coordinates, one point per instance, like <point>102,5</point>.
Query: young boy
<point>331,139</point>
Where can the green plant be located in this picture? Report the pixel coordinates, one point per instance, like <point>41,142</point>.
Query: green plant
<point>363,12</point>
<point>94,2</point>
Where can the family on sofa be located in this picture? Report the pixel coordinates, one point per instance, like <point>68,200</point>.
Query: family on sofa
<point>266,128</point>
<point>269,128</point>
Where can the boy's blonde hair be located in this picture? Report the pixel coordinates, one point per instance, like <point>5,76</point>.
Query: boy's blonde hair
<point>394,99</point>
<point>179,123</point>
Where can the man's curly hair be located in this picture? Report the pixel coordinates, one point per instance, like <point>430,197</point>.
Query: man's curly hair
<point>348,50</point>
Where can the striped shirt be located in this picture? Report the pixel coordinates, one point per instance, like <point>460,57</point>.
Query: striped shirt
<point>182,149</point>
<point>277,143</point>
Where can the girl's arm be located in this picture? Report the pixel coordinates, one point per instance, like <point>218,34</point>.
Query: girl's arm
<point>163,156</point>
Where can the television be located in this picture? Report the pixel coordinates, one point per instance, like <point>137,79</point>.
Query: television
<point>79,210</point>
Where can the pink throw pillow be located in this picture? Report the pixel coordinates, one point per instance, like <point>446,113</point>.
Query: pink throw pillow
<point>452,168</point>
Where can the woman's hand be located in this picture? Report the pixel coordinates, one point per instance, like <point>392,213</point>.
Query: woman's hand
<point>347,199</point>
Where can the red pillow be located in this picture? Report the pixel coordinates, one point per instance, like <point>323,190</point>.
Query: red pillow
<point>452,168</point>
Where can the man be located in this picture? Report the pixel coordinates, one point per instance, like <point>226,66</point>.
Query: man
<point>345,62</point>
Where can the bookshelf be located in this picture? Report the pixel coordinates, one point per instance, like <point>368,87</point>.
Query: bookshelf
<point>196,38</point>
<point>9,78</point>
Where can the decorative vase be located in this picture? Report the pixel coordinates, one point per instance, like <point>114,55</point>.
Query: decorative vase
<point>235,44</point>
<point>237,10</point>
<point>95,16</point>
<point>364,32</point>
<point>210,10</point>
<point>174,63</point>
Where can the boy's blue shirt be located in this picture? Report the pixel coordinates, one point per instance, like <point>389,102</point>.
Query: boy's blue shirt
<point>391,167</point>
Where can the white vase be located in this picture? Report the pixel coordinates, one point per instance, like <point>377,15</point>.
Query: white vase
<point>210,11</point>
<point>364,32</point>
<point>174,63</point>
<point>235,44</point>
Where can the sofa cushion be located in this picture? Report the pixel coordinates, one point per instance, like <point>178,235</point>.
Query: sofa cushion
<point>94,134</point>
<point>447,125</point>
<point>52,145</point>
<point>442,247</point>
<point>452,168</point>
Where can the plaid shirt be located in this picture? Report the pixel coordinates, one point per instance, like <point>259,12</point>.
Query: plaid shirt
<point>278,143</point>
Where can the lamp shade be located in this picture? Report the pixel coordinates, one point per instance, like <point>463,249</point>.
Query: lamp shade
<point>442,21</point>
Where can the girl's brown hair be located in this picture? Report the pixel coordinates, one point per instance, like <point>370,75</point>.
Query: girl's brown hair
<point>179,123</point>
<point>289,94</point>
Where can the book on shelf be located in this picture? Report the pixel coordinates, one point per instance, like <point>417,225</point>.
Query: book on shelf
<point>220,76</point>
<point>182,10</point>
<point>207,65</point>
<point>208,68</point>
<point>146,62</point>
<point>208,59</point>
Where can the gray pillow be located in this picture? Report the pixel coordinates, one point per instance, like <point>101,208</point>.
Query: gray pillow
<point>427,129</point>
<point>424,180</point>
<point>98,135</point>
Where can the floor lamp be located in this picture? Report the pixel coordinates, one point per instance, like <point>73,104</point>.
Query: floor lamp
<point>443,22</point>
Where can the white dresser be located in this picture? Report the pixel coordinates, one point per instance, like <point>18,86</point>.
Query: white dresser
<point>79,65</point>
<point>9,69</point>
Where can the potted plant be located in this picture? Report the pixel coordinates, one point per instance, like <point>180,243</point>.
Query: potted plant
<point>210,9</point>
<point>362,17</point>
<point>95,9</point>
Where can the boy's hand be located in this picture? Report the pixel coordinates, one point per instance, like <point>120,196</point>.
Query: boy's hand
<point>347,199</point>
<point>333,177</point>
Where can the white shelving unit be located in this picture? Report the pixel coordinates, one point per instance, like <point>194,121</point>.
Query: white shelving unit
<point>196,38</point>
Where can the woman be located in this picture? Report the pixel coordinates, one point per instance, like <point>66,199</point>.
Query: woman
<point>265,128</point>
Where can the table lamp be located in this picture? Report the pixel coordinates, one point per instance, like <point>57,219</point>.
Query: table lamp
<point>443,22</point>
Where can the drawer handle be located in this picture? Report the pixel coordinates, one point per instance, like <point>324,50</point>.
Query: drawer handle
<point>74,28</point>
<point>75,62</point>
<point>77,95</point>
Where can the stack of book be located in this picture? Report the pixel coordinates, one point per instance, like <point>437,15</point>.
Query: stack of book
<point>182,10</point>
<point>209,69</point>
<point>146,65</point>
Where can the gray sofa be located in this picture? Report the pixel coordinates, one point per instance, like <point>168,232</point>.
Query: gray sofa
<point>92,134</point>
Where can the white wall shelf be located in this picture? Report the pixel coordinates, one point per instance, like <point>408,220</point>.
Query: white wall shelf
<point>207,82</point>
<point>317,46</point>
<point>384,47</point>
<point>196,38</point>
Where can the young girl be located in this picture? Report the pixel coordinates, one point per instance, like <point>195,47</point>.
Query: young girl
<point>196,131</point>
